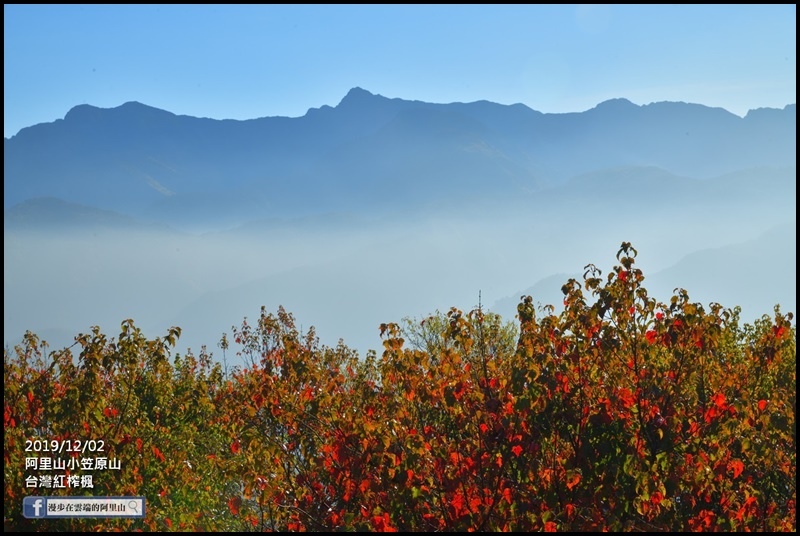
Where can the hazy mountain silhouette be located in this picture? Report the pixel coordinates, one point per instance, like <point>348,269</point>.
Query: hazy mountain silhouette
<point>377,209</point>
<point>369,153</point>
<point>47,213</point>
<point>756,274</point>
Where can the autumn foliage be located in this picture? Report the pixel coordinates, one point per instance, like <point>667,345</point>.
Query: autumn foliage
<point>620,413</point>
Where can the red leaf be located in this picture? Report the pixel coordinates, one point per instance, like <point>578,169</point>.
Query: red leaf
<point>233,504</point>
<point>626,396</point>
<point>517,450</point>
<point>650,336</point>
<point>762,405</point>
<point>157,453</point>
<point>236,446</point>
<point>570,509</point>
<point>550,526</point>
<point>458,504</point>
<point>475,504</point>
<point>339,453</point>
<point>382,523</point>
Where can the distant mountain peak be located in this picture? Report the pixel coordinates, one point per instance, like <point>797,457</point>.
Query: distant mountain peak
<point>771,112</point>
<point>358,92</point>
<point>131,109</point>
<point>358,96</point>
<point>616,105</point>
<point>137,106</point>
<point>82,111</point>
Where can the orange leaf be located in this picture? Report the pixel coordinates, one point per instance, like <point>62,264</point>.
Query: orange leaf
<point>573,479</point>
<point>737,467</point>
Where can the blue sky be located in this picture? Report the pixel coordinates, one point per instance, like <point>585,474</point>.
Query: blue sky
<point>243,62</point>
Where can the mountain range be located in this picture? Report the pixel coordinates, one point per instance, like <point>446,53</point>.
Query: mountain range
<point>369,153</point>
<point>380,208</point>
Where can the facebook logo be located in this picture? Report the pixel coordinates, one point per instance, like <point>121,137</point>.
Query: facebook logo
<point>33,507</point>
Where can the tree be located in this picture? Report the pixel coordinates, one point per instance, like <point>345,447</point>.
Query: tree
<point>619,413</point>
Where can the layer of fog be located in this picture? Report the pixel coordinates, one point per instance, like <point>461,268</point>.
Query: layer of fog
<point>347,278</point>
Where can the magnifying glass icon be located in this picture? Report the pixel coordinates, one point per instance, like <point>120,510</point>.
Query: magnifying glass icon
<point>134,505</point>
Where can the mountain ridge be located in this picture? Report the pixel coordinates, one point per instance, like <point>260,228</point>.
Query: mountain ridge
<point>378,207</point>
<point>358,94</point>
<point>369,153</point>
